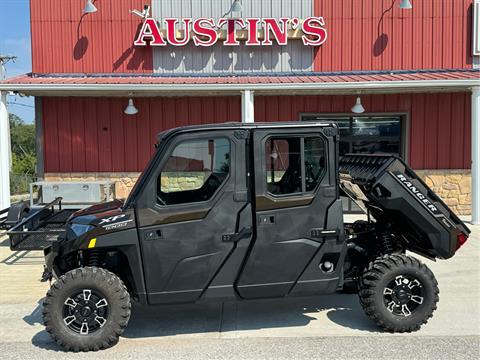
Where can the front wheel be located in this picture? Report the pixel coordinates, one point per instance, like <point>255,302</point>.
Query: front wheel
<point>87,309</point>
<point>398,293</point>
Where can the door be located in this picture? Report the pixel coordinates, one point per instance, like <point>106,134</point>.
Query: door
<point>188,213</point>
<point>295,184</point>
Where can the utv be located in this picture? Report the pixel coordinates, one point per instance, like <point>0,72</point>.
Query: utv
<point>247,211</point>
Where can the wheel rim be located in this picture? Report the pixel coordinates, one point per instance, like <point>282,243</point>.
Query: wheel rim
<point>403,295</point>
<point>85,311</point>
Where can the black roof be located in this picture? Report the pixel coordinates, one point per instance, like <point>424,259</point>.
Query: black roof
<point>239,126</point>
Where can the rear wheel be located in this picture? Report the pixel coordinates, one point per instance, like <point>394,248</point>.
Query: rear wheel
<point>398,293</point>
<point>87,309</point>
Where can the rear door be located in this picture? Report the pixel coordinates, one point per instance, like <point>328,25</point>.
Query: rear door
<point>188,213</point>
<point>295,186</point>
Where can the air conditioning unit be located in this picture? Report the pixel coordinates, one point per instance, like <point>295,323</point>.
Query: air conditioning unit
<point>476,28</point>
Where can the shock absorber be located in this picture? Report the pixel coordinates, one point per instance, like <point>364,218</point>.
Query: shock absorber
<point>387,243</point>
<point>95,258</point>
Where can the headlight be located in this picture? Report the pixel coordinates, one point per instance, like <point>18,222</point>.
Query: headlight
<point>80,229</point>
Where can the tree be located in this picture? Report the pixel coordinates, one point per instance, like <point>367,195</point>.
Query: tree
<point>22,136</point>
<point>24,158</point>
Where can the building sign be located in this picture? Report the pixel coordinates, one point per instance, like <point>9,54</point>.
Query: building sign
<point>231,31</point>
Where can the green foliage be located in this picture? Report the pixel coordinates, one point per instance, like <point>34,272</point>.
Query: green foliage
<point>24,164</point>
<point>24,158</point>
<point>22,136</point>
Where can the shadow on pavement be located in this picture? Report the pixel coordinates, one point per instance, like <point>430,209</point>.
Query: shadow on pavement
<point>24,257</point>
<point>157,321</point>
<point>341,309</point>
<point>35,317</point>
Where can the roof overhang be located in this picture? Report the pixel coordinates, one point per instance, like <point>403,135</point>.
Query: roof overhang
<point>150,86</point>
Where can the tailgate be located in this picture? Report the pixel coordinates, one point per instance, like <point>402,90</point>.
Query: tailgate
<point>392,190</point>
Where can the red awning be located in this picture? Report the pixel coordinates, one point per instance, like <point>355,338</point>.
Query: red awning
<point>345,77</point>
<point>180,84</point>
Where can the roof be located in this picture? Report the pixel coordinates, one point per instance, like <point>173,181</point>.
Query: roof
<point>333,81</point>
<point>246,126</point>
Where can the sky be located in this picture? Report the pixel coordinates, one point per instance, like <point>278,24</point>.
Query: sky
<point>15,40</point>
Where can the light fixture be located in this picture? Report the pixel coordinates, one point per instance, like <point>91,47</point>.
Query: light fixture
<point>89,7</point>
<point>358,107</point>
<point>143,14</point>
<point>131,109</point>
<point>405,4</point>
<point>236,6</point>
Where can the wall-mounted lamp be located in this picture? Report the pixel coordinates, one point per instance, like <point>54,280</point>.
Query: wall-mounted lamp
<point>89,7</point>
<point>235,8</point>
<point>358,107</point>
<point>143,14</point>
<point>130,109</point>
<point>405,4</point>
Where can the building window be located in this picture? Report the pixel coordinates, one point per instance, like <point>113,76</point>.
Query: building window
<point>195,170</point>
<point>294,164</point>
<point>366,135</point>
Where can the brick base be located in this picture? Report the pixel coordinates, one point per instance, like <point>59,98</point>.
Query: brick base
<point>453,186</point>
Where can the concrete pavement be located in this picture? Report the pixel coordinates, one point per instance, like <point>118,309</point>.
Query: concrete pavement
<point>327,326</point>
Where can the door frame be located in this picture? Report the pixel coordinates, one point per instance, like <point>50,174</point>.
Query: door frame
<point>174,214</point>
<point>404,125</point>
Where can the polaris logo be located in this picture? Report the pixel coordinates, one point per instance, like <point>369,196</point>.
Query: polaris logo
<point>423,199</point>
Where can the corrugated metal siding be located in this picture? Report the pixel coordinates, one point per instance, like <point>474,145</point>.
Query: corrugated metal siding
<point>218,58</point>
<point>432,35</point>
<point>94,135</point>
<point>439,124</point>
<point>65,42</point>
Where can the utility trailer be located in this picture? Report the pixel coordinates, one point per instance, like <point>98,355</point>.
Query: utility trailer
<point>12,215</point>
<point>38,230</point>
<point>35,224</point>
<point>248,211</point>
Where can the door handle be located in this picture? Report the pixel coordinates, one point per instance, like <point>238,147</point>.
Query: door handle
<point>266,219</point>
<point>149,235</point>
<point>244,233</point>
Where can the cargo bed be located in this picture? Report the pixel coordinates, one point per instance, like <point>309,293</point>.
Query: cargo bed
<point>386,188</point>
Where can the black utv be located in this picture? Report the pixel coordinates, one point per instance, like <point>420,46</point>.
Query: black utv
<point>247,211</point>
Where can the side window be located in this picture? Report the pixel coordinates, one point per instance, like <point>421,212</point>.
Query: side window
<point>315,162</point>
<point>294,164</point>
<point>284,175</point>
<point>194,171</point>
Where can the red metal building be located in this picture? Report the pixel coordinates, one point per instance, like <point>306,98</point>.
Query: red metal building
<point>415,71</point>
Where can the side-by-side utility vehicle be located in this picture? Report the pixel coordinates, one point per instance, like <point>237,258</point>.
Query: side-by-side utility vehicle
<point>248,211</point>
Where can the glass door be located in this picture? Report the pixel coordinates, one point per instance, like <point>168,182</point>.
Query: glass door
<point>366,135</point>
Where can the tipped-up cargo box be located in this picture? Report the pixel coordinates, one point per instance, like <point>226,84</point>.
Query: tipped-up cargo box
<point>390,191</point>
